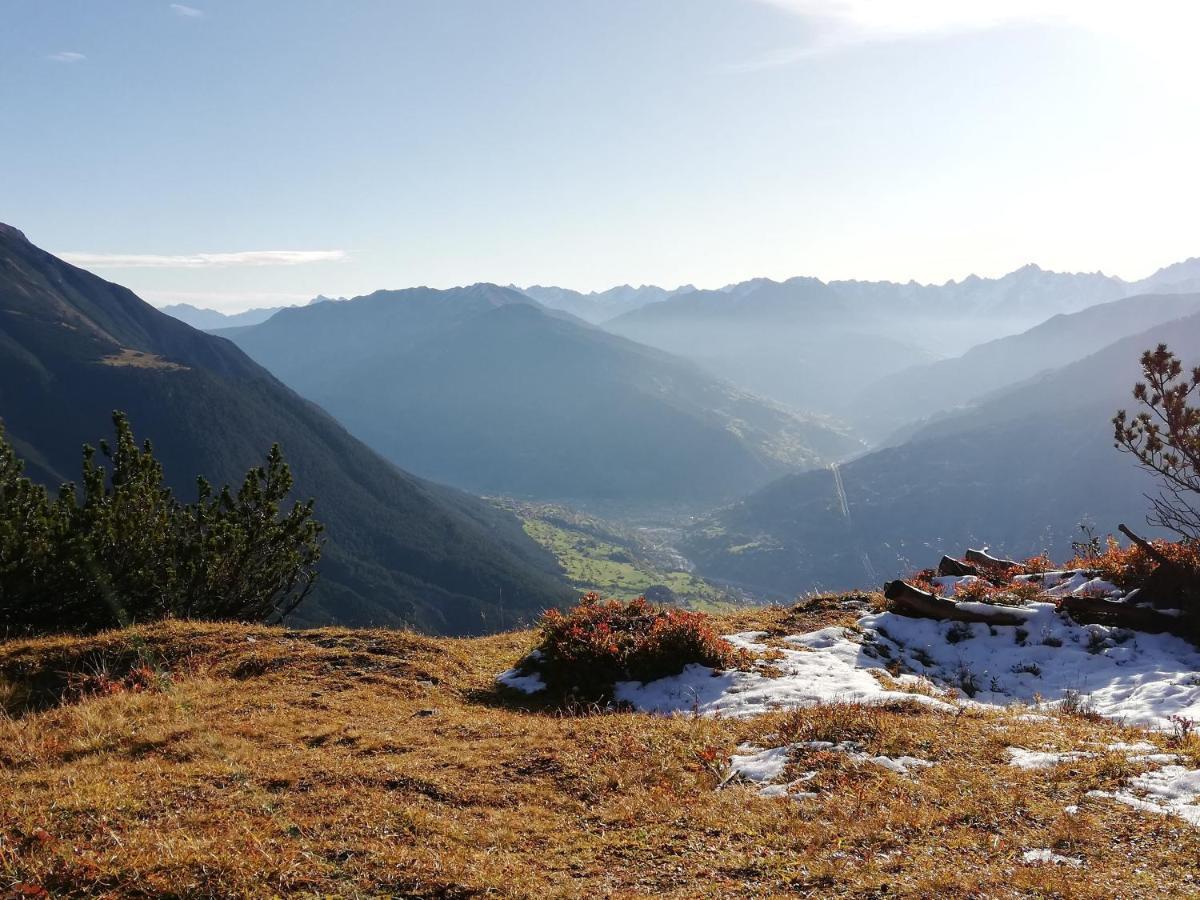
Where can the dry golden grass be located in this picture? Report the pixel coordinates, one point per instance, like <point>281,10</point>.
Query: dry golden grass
<point>139,359</point>
<point>373,763</point>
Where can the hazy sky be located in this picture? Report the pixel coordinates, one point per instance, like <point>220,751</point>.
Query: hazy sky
<point>233,153</point>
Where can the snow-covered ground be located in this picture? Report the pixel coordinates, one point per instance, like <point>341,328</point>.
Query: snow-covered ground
<point>1047,856</point>
<point>1141,678</point>
<point>814,668</point>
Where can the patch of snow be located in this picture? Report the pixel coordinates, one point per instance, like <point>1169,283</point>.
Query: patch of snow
<point>827,667</point>
<point>529,684</point>
<point>1143,678</point>
<point>759,765</point>
<point>1171,790</point>
<point>766,767</point>
<point>1143,751</point>
<point>1125,747</point>
<point>1045,855</point>
<point>1156,758</point>
<point>1040,759</point>
<point>977,606</point>
<point>780,790</point>
<point>899,764</point>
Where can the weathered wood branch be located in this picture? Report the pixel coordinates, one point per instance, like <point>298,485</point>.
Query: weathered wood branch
<point>987,561</point>
<point>951,566</point>
<point>1152,551</point>
<point>1171,584</point>
<point>1140,618</point>
<point>910,601</point>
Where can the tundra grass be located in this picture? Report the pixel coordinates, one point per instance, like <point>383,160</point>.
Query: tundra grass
<point>266,762</point>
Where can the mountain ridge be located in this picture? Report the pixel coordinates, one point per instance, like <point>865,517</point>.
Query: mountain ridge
<point>488,389</point>
<point>1019,471</point>
<point>401,550</point>
<point>905,398</point>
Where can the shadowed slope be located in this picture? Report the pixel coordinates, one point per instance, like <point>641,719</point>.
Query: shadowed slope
<point>401,550</point>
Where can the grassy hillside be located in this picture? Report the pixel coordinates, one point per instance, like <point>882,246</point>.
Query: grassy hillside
<point>252,761</point>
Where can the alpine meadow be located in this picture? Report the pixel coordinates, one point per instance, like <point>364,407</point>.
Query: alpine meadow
<point>724,449</point>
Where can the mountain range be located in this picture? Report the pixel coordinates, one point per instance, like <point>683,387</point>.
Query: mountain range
<point>904,399</point>
<point>820,346</point>
<point>400,550</point>
<point>598,306</point>
<point>817,346</point>
<point>824,347</point>
<point>486,389</point>
<point>1017,469</point>
<point>210,319</point>
<point>799,342</point>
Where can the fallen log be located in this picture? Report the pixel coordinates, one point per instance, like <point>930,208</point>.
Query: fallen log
<point>1110,612</point>
<point>1151,551</point>
<point>951,566</point>
<point>987,561</point>
<point>910,601</point>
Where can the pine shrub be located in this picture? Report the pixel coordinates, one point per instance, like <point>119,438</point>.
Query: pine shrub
<point>122,549</point>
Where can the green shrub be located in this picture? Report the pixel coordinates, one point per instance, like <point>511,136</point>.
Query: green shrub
<point>586,650</point>
<point>124,550</point>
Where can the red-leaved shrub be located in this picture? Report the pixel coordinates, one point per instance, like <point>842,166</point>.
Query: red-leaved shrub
<point>923,580</point>
<point>586,650</point>
<point>1127,567</point>
<point>980,590</point>
<point>1037,564</point>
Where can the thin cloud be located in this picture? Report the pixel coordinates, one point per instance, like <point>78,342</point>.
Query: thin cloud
<point>838,24</point>
<point>187,12</point>
<point>66,56</point>
<point>203,260</point>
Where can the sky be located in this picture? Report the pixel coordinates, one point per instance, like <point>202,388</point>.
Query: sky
<point>234,154</point>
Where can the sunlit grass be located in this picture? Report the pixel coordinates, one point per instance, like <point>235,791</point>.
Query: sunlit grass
<point>352,763</point>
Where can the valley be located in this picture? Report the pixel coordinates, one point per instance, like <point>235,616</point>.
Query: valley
<point>623,561</point>
<point>699,491</point>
